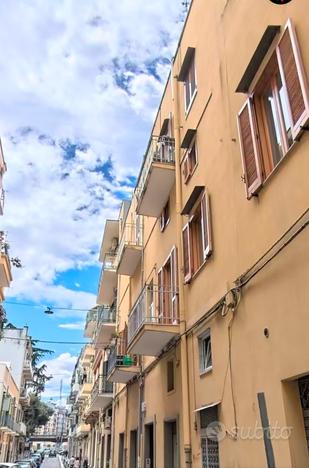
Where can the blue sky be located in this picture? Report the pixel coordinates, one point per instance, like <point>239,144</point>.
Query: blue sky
<point>80,84</point>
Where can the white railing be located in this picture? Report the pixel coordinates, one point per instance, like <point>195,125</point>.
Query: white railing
<point>154,306</point>
<point>160,150</point>
<point>132,235</point>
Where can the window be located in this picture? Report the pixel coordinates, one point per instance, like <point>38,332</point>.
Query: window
<point>204,342</point>
<point>209,439</point>
<point>273,116</point>
<point>165,216</point>
<point>170,375</point>
<point>190,161</point>
<point>190,84</point>
<point>197,243</point>
<point>168,290</point>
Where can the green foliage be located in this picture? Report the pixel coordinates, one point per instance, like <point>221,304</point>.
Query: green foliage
<point>37,414</point>
<point>39,372</point>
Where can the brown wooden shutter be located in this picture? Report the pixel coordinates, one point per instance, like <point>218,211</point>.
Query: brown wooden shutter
<point>250,149</point>
<point>206,225</point>
<point>186,253</point>
<point>293,77</point>
<point>160,294</point>
<point>174,284</point>
<point>186,169</point>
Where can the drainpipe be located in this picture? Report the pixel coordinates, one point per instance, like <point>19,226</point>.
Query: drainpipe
<point>183,341</point>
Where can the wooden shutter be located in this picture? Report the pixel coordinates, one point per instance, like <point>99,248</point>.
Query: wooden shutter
<point>160,293</point>
<point>293,77</point>
<point>186,169</point>
<point>186,253</point>
<point>250,149</point>
<point>174,285</point>
<point>206,226</point>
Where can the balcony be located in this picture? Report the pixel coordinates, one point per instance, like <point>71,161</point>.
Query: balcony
<point>106,326</point>
<point>102,394</point>
<point>157,177</point>
<point>24,399</point>
<point>22,429</point>
<point>153,321</point>
<point>108,279</point>
<point>82,430</point>
<point>27,370</point>
<point>91,321</point>
<point>121,367</point>
<point>8,424</point>
<point>5,265</point>
<point>130,249</point>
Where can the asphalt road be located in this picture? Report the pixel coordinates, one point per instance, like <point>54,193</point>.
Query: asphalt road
<point>50,463</point>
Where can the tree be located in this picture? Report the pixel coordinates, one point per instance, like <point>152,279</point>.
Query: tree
<point>39,371</point>
<point>37,414</point>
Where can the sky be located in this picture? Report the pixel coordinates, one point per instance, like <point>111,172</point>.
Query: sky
<point>80,85</point>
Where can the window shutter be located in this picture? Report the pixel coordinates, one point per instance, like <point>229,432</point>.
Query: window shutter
<point>293,76</point>
<point>160,293</point>
<point>186,170</point>
<point>206,225</point>
<point>174,284</point>
<point>186,252</point>
<point>250,149</point>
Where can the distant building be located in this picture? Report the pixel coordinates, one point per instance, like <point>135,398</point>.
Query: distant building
<point>57,425</point>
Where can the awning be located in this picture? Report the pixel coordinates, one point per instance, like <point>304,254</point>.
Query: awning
<point>198,189</point>
<point>211,405</point>
<point>186,141</point>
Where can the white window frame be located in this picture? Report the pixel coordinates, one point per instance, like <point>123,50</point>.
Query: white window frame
<point>203,361</point>
<point>192,94</point>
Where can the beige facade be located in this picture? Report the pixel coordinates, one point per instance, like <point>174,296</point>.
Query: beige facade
<point>208,265</point>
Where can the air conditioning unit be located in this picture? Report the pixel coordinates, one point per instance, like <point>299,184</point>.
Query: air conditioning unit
<point>108,422</point>
<point>143,406</point>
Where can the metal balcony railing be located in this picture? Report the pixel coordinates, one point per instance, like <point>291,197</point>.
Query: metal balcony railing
<point>154,306</point>
<point>101,387</point>
<point>106,314</point>
<point>4,246</point>
<point>160,150</point>
<point>109,262</point>
<point>119,359</point>
<point>92,315</point>
<point>132,235</point>
<point>6,420</point>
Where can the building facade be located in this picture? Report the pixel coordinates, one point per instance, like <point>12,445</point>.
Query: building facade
<point>207,265</point>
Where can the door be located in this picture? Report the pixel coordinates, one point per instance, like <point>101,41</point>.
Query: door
<point>303,385</point>
<point>171,456</point>
<point>149,446</point>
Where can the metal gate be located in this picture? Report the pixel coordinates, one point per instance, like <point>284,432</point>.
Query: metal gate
<point>303,385</point>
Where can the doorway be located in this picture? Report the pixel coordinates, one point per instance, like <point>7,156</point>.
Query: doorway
<point>171,455</point>
<point>149,448</point>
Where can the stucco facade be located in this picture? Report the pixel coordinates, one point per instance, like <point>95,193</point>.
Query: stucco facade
<point>211,297</point>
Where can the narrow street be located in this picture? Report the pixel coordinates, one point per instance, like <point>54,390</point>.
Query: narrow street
<point>51,463</point>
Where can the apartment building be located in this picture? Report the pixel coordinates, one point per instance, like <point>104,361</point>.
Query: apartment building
<point>57,424</point>
<point>17,374</point>
<point>207,265</point>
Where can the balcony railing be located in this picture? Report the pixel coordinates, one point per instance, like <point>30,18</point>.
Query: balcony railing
<point>101,387</point>
<point>160,150</point>
<point>109,262</point>
<point>118,359</point>
<point>130,247</point>
<point>106,314</point>
<point>4,246</point>
<point>7,421</point>
<point>132,235</point>
<point>154,306</point>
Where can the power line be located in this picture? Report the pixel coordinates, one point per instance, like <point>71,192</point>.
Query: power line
<point>25,304</point>
<point>54,342</point>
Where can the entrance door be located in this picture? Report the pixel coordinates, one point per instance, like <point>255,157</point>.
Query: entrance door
<point>171,458</point>
<point>303,385</point>
<point>133,449</point>
<point>149,446</point>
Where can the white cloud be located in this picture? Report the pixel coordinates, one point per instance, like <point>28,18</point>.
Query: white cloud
<point>61,369</point>
<point>83,71</point>
<point>72,326</point>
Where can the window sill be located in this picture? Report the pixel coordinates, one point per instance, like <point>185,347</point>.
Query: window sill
<point>187,111</point>
<point>206,371</point>
<point>200,268</point>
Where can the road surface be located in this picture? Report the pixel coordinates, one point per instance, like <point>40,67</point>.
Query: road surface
<point>51,462</point>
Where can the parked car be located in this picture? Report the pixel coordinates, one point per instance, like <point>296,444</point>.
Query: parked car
<point>12,465</point>
<point>28,463</point>
<point>52,453</point>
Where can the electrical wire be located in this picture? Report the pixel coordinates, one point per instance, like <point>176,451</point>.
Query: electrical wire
<point>25,304</point>
<point>53,342</point>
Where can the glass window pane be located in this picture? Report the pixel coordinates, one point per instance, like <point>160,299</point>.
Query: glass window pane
<point>273,126</point>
